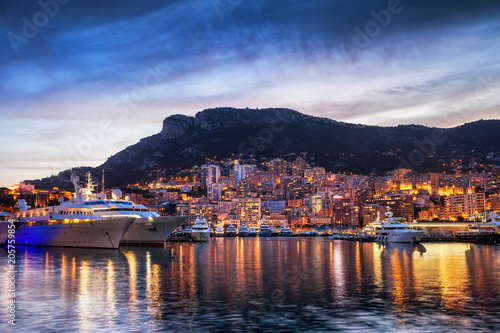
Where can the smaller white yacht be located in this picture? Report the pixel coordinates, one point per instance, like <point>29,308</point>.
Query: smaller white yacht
<point>200,231</point>
<point>231,230</point>
<point>252,232</point>
<point>243,231</point>
<point>285,231</point>
<point>219,231</point>
<point>264,230</point>
<point>488,232</point>
<point>334,236</point>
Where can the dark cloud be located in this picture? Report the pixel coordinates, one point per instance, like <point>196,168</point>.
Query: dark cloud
<point>270,53</point>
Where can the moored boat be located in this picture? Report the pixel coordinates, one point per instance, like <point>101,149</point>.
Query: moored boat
<point>231,230</point>
<point>488,232</point>
<point>149,227</point>
<point>243,231</point>
<point>219,231</point>
<point>252,232</point>
<point>4,227</point>
<point>392,231</point>
<point>285,231</point>
<point>264,230</point>
<point>68,225</point>
<point>200,231</point>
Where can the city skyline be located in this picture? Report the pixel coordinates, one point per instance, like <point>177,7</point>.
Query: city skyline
<point>69,69</point>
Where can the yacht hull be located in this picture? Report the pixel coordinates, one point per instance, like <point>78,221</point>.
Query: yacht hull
<point>491,238</point>
<point>152,230</point>
<point>4,232</point>
<point>105,234</point>
<point>399,237</point>
<point>200,236</point>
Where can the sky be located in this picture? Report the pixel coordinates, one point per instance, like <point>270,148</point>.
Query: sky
<point>82,80</point>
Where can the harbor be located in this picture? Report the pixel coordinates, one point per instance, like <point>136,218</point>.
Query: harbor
<point>252,284</point>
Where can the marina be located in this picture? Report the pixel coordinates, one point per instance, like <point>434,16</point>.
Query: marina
<point>234,284</point>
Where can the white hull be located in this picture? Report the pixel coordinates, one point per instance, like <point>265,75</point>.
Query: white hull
<point>105,234</point>
<point>399,236</point>
<point>200,236</point>
<point>153,231</point>
<point>4,232</point>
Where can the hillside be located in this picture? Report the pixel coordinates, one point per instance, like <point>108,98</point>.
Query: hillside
<point>186,141</point>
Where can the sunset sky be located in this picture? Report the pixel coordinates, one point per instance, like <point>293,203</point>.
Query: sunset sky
<point>81,80</point>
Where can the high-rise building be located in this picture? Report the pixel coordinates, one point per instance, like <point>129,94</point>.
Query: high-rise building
<point>316,202</point>
<point>343,211</point>
<point>401,205</point>
<point>277,167</point>
<point>214,192</point>
<point>248,209</point>
<point>464,205</point>
<point>210,174</point>
<point>371,212</point>
<point>240,172</point>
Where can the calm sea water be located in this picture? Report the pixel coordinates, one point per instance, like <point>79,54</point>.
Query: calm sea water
<point>256,285</point>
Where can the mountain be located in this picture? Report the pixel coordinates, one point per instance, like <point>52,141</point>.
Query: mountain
<point>341,147</point>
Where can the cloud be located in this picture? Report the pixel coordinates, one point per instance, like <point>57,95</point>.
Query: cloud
<point>93,54</point>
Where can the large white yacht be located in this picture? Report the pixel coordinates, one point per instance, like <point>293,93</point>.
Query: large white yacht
<point>149,228</point>
<point>70,224</point>
<point>200,231</point>
<point>392,231</point>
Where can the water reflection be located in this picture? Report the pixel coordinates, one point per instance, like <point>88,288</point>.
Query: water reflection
<point>258,284</point>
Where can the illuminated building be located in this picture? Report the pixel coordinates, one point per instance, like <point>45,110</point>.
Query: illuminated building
<point>238,173</point>
<point>401,205</point>
<point>464,205</point>
<point>248,209</point>
<point>371,212</point>
<point>316,202</point>
<point>343,211</point>
<point>493,203</point>
<point>210,174</point>
<point>320,220</point>
<point>214,192</point>
<point>203,209</point>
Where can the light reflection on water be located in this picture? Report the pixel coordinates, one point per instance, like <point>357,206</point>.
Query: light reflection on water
<point>257,284</point>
